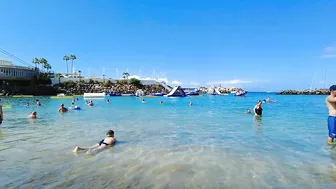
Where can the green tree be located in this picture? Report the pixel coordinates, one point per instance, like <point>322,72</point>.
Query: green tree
<point>135,81</point>
<point>126,75</point>
<point>36,61</point>
<point>72,58</point>
<point>66,58</point>
<point>43,62</point>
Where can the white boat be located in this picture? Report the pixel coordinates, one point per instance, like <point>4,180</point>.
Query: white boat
<point>94,95</point>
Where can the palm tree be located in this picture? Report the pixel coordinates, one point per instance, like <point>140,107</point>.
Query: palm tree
<point>126,75</point>
<point>72,58</point>
<point>66,58</point>
<point>35,61</point>
<point>43,62</point>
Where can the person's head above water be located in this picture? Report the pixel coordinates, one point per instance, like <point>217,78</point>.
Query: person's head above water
<point>248,111</point>
<point>332,90</point>
<point>62,105</point>
<point>110,133</point>
<point>34,113</point>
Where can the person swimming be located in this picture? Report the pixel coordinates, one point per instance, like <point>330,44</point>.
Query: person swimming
<point>161,102</point>
<point>38,103</point>
<point>190,104</point>
<point>264,101</point>
<point>72,103</point>
<point>62,109</point>
<point>77,99</point>
<point>27,104</point>
<point>143,101</point>
<point>33,115</point>
<point>108,101</point>
<point>109,140</point>
<point>90,103</point>
<point>258,109</point>
<point>248,111</point>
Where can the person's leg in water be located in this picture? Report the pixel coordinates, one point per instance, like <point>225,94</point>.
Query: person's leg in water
<point>90,148</point>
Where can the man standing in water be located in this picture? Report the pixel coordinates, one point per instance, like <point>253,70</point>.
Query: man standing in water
<point>62,109</point>
<point>331,104</point>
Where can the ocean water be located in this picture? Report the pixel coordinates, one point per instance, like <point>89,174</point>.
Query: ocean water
<point>212,144</point>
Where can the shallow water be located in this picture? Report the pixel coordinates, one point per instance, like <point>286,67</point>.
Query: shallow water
<point>212,144</point>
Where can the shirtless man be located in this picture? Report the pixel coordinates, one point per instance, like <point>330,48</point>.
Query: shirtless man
<point>331,104</point>
<point>32,115</point>
<point>62,109</point>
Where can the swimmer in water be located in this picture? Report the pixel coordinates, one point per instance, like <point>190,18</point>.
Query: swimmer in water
<point>33,115</point>
<point>264,101</point>
<point>108,101</point>
<point>258,109</point>
<point>77,99</point>
<point>143,101</point>
<point>269,100</point>
<point>72,103</point>
<point>90,103</point>
<point>331,105</point>
<point>109,140</point>
<point>161,102</point>
<point>248,111</point>
<point>38,103</point>
<point>62,109</point>
<point>27,104</point>
<point>190,104</point>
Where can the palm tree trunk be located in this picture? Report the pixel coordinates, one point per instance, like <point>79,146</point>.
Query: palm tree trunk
<point>71,66</point>
<point>66,62</point>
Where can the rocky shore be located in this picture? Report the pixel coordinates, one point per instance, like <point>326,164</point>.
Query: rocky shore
<point>78,88</point>
<point>305,92</point>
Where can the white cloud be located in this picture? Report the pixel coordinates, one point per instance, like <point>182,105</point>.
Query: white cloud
<point>329,52</point>
<point>175,82</point>
<point>331,48</point>
<point>194,83</point>
<point>229,82</point>
<point>148,78</point>
<point>329,56</point>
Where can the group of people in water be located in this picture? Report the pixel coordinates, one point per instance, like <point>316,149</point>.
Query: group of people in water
<point>257,110</point>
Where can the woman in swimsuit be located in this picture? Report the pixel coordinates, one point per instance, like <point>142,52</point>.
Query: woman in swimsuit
<point>108,141</point>
<point>258,109</point>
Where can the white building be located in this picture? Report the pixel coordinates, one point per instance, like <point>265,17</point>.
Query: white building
<point>8,71</point>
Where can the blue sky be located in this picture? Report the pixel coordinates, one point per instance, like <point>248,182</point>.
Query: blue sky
<point>259,45</point>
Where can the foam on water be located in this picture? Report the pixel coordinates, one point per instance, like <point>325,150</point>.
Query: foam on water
<point>212,144</point>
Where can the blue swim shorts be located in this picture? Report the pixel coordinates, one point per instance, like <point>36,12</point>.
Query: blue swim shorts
<point>332,126</point>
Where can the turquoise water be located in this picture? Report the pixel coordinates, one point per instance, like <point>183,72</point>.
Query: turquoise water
<point>212,144</point>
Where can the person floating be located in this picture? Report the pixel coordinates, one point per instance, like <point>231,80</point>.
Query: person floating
<point>143,101</point>
<point>258,109</point>
<point>90,103</point>
<point>248,111</point>
<point>62,109</point>
<point>190,104</point>
<point>33,115</point>
<point>331,105</point>
<point>161,102</point>
<point>109,140</point>
<point>108,101</point>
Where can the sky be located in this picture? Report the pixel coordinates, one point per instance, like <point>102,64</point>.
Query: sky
<point>257,45</point>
